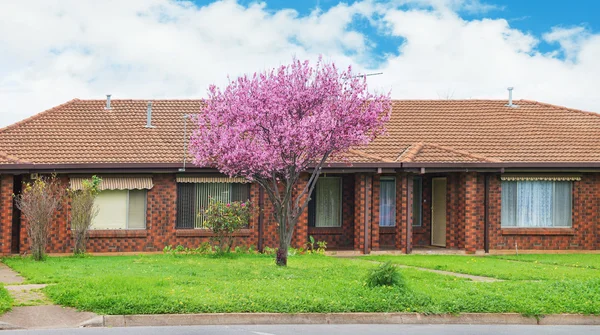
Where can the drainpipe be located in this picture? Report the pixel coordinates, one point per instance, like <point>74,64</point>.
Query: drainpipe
<point>367,212</point>
<point>486,212</point>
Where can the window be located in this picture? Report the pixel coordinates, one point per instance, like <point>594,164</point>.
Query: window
<point>192,200</point>
<point>325,207</point>
<point>417,205</point>
<point>387,202</point>
<point>536,203</point>
<point>120,209</point>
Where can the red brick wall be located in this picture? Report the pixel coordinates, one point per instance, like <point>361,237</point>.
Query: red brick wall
<point>582,236</point>
<point>160,226</point>
<point>6,211</point>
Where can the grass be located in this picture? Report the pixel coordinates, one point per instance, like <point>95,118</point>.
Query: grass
<point>5,300</point>
<point>252,283</point>
<point>589,261</point>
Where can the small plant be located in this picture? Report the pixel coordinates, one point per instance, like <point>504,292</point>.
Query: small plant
<point>322,246</point>
<point>385,275</point>
<point>225,219</point>
<point>310,245</point>
<point>38,202</point>
<point>269,251</point>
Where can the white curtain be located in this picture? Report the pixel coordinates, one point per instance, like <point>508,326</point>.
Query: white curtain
<point>536,203</point>
<point>387,203</point>
<point>329,201</point>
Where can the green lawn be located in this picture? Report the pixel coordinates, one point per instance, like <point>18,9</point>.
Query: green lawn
<point>252,283</point>
<point>533,267</point>
<point>591,261</point>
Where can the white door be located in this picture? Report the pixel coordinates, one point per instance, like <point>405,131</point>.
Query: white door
<point>438,212</point>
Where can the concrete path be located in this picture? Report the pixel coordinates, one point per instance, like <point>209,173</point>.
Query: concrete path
<point>33,308</point>
<point>445,273</point>
<point>455,274</point>
<point>8,276</point>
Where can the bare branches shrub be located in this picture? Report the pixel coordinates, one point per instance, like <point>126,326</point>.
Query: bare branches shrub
<point>38,202</point>
<point>83,212</point>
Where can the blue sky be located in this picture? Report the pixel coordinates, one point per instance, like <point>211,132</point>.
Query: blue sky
<point>54,51</point>
<point>534,16</point>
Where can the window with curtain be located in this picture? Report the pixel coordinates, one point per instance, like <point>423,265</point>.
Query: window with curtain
<point>192,200</point>
<point>120,209</point>
<point>417,205</point>
<point>536,203</point>
<point>387,202</point>
<point>325,206</point>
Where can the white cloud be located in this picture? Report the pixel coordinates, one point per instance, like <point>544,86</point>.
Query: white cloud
<point>53,51</point>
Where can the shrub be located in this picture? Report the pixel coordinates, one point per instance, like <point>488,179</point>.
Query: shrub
<point>83,212</point>
<point>38,202</point>
<point>224,219</point>
<point>385,275</point>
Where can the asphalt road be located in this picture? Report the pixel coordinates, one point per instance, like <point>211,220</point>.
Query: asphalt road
<point>322,329</point>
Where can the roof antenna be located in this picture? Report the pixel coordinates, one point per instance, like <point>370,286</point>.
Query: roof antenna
<point>107,101</point>
<point>185,117</point>
<point>510,98</point>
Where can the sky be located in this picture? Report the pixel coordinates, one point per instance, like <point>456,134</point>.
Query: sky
<point>55,50</point>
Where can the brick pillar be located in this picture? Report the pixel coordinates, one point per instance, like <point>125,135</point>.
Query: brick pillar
<point>301,230</point>
<point>471,214</point>
<point>401,211</point>
<point>6,213</point>
<point>375,194</point>
<point>360,207</point>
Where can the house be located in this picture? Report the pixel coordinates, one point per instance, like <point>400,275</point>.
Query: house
<point>472,175</point>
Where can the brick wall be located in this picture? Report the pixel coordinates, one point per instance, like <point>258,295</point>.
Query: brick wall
<point>6,211</point>
<point>465,218</point>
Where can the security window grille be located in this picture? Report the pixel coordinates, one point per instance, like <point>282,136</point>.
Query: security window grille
<point>193,200</point>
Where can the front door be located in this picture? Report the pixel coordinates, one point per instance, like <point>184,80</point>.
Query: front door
<point>438,212</point>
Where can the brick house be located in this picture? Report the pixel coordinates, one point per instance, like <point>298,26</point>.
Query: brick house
<point>473,175</point>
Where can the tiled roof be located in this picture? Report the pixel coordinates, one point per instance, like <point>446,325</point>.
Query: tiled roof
<point>453,131</point>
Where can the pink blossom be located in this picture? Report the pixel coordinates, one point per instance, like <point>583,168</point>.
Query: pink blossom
<point>260,125</point>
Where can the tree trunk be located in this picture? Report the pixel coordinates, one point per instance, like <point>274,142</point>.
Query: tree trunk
<point>282,255</point>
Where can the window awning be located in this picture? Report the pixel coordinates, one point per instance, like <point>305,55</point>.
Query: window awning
<point>116,183</point>
<point>210,179</point>
<point>539,177</point>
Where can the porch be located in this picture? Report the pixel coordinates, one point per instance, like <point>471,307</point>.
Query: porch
<point>397,212</point>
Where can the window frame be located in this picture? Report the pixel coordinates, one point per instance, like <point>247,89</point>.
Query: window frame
<point>387,179</point>
<point>312,210</point>
<point>179,223</point>
<point>516,226</point>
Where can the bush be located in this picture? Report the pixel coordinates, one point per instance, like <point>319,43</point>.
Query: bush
<point>38,202</point>
<point>83,212</point>
<point>224,219</point>
<point>385,275</point>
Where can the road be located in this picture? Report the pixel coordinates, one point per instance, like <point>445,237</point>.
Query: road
<point>322,330</point>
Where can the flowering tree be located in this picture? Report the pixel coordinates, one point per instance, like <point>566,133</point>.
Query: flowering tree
<point>275,125</point>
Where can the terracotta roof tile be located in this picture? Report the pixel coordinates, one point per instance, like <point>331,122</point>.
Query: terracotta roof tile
<point>82,131</point>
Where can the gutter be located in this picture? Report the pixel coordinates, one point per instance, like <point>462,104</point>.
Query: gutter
<point>341,167</point>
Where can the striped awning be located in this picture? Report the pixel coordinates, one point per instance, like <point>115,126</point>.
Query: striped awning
<point>539,177</point>
<point>116,183</point>
<point>209,179</point>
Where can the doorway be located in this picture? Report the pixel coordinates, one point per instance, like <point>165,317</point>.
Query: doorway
<point>438,212</point>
